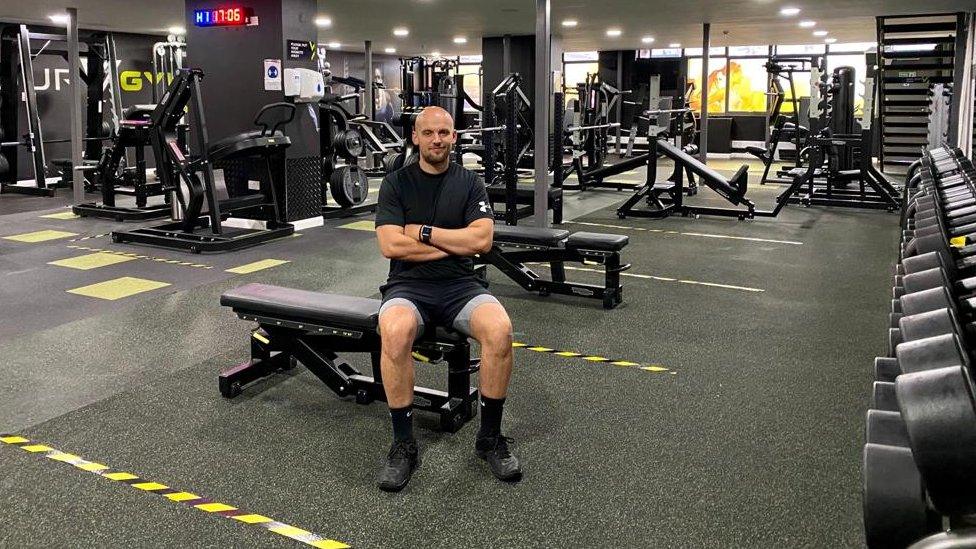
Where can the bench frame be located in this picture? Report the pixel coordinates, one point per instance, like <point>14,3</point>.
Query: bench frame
<point>512,259</point>
<point>279,343</point>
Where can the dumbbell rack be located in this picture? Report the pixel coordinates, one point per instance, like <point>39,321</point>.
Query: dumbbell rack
<point>915,53</point>
<point>918,486</point>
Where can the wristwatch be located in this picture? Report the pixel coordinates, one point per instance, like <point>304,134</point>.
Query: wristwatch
<point>425,232</point>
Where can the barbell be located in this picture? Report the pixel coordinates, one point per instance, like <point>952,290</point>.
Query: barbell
<point>483,130</point>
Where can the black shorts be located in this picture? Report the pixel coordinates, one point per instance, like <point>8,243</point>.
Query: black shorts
<point>447,303</point>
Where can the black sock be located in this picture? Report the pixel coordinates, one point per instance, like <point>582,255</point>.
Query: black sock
<point>402,423</point>
<point>491,416</point>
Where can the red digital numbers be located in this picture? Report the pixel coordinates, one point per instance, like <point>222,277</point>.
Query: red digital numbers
<point>219,17</point>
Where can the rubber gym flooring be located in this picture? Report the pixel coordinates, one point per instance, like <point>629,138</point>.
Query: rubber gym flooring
<point>733,420</point>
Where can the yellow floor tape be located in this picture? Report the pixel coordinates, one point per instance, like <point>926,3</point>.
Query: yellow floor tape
<point>187,498</point>
<point>39,236</point>
<point>118,288</point>
<point>257,266</point>
<point>91,261</point>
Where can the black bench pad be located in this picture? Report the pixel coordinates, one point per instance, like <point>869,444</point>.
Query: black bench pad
<point>529,235</point>
<point>275,301</point>
<point>316,307</point>
<point>597,241</point>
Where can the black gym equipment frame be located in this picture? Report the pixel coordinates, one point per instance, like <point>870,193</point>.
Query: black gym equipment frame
<point>784,127</point>
<point>201,231</point>
<point>341,140</point>
<point>16,60</point>
<point>822,182</point>
<point>513,260</point>
<point>667,198</point>
<point>135,134</point>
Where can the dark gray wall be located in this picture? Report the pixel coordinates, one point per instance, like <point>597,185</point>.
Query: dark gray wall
<point>232,59</point>
<point>522,58</point>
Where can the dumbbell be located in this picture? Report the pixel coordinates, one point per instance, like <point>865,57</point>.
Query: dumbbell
<point>940,417</point>
<point>895,507</point>
<point>958,259</point>
<point>954,201</point>
<point>932,289</point>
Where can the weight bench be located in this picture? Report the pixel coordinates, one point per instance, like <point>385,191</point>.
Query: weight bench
<point>311,328</point>
<point>515,246</point>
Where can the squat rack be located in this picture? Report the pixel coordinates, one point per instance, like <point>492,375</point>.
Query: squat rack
<point>17,62</point>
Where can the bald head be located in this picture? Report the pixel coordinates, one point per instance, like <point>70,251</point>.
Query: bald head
<point>434,135</point>
<point>435,116</point>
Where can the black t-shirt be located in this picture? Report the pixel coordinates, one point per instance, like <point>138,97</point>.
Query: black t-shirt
<point>449,200</point>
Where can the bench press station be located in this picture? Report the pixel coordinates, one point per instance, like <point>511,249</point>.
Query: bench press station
<point>312,327</point>
<point>515,246</point>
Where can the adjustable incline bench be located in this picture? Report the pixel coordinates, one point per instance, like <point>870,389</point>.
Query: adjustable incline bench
<point>312,327</point>
<point>514,246</point>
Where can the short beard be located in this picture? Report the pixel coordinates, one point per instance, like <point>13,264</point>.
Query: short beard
<point>433,160</point>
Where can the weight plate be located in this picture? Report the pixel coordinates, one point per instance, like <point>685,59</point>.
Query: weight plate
<point>348,144</point>
<point>349,186</point>
<point>940,416</point>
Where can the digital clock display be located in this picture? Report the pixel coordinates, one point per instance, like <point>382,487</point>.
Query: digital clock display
<point>221,17</point>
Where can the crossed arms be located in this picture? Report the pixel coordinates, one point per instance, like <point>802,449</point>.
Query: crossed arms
<point>404,243</point>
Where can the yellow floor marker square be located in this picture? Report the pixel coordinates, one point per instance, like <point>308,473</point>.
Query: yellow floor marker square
<point>329,544</point>
<point>215,507</point>
<point>61,215</point>
<point>120,476</point>
<point>257,266</point>
<point>39,236</point>
<point>14,440</point>
<point>252,519</point>
<point>182,496</point>
<point>118,288</point>
<point>364,225</point>
<point>91,261</point>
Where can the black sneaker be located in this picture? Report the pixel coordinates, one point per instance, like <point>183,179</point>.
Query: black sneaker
<point>503,464</point>
<point>403,458</point>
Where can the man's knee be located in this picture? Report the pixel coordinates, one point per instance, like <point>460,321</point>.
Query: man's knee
<point>398,329</point>
<point>496,332</point>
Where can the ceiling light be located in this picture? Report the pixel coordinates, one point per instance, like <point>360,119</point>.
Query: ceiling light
<point>323,22</point>
<point>614,32</point>
<point>400,31</point>
<point>460,40</point>
<point>334,45</point>
<point>820,33</point>
<point>647,39</point>
<point>59,19</point>
<point>435,53</point>
<point>674,45</point>
<point>390,50</point>
<point>177,30</point>
<point>570,23</point>
<point>808,24</point>
<point>830,40</point>
<point>789,11</point>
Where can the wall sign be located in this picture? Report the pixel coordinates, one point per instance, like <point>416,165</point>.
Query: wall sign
<point>272,75</point>
<point>301,49</point>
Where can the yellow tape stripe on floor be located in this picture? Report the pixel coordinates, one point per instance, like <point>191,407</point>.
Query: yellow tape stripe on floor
<point>186,498</point>
<point>702,235</point>
<point>655,368</point>
<point>139,256</point>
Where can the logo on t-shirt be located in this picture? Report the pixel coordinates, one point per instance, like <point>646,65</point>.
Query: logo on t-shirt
<point>485,208</point>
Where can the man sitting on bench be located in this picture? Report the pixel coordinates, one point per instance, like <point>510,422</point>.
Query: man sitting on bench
<point>431,217</point>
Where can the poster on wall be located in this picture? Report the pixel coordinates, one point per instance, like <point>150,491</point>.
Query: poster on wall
<point>272,75</point>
